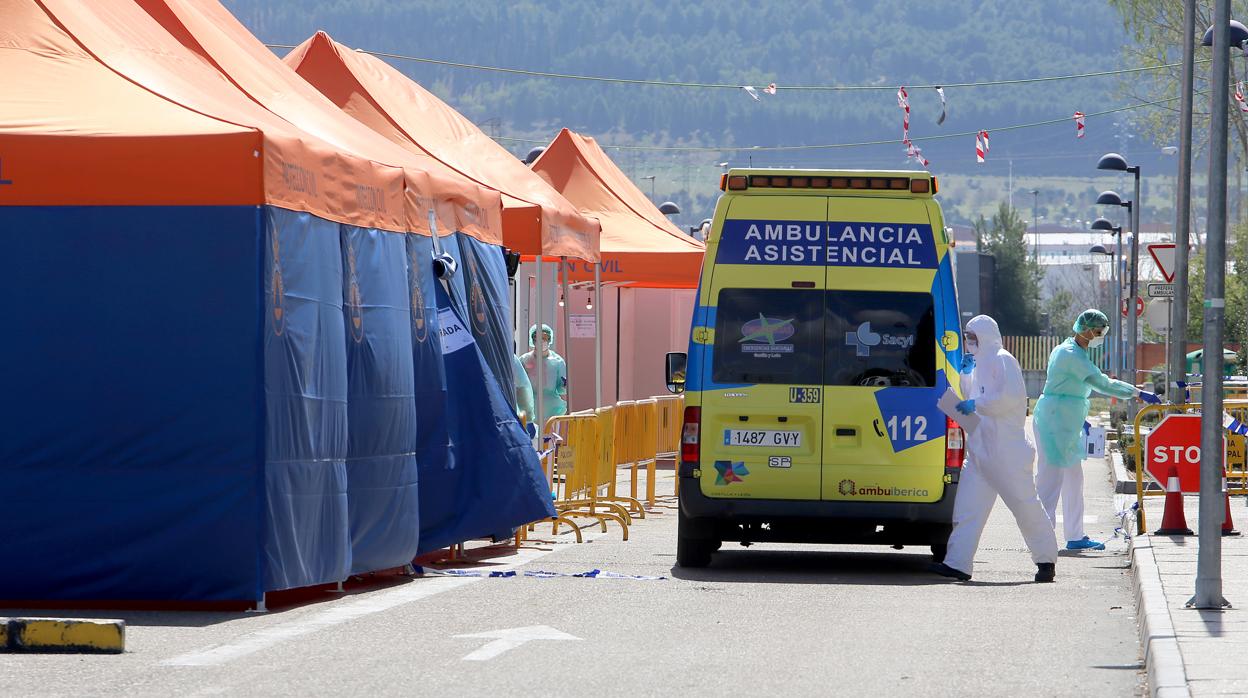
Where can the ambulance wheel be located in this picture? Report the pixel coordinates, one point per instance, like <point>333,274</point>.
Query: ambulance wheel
<point>691,551</point>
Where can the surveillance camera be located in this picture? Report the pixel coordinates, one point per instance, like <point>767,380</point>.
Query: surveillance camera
<point>444,266</point>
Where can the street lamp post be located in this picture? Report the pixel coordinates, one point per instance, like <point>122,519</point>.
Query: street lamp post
<point>1177,351</point>
<point>1115,162</point>
<point>1209,555</point>
<point>1111,198</point>
<point>1035,238</point>
<point>1103,225</point>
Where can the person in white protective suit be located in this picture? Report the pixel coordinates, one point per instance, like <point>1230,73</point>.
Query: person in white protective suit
<point>998,457</point>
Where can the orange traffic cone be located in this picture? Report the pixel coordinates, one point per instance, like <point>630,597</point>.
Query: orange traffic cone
<point>1173,522</point>
<point>1228,526</point>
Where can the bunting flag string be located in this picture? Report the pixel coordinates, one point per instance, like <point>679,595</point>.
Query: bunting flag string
<point>944,106</point>
<point>1078,124</point>
<point>770,88</point>
<point>753,93</point>
<point>1239,96</point>
<point>981,146</point>
<point>912,151</point>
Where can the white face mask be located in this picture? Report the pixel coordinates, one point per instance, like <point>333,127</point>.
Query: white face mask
<point>1096,342</point>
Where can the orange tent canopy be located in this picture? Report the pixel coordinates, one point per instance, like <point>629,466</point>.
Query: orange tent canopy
<point>536,218</point>
<point>209,32</point>
<point>640,246</point>
<point>76,133</point>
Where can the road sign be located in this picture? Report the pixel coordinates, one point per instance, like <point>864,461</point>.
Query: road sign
<point>1163,257</point>
<point>1158,314</point>
<point>1176,443</point>
<point>1161,290</point>
<point>1139,306</point>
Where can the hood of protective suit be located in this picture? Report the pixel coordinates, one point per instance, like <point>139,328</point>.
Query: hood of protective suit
<point>987,332</point>
<point>533,335</point>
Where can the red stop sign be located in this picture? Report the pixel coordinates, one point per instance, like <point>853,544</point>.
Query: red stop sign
<point>1176,443</point>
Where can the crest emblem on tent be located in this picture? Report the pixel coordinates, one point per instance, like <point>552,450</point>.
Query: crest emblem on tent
<point>277,292</point>
<point>476,298</point>
<point>354,300</point>
<point>420,328</point>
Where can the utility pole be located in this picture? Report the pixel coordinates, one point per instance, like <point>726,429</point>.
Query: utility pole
<point>1035,237</point>
<point>1209,555</point>
<point>1182,212</point>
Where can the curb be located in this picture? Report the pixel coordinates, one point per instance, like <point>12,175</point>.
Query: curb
<point>1167,677</point>
<point>68,635</point>
<point>1124,481</point>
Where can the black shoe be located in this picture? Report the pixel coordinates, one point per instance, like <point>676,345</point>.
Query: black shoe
<point>1045,571</point>
<point>946,571</point>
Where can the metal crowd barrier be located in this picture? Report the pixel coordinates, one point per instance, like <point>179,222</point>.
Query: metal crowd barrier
<point>584,452</point>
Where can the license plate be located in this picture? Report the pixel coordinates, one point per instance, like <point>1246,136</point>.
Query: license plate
<point>762,437</point>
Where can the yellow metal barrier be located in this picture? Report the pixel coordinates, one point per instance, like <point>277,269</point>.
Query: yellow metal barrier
<point>1236,472</point>
<point>585,451</point>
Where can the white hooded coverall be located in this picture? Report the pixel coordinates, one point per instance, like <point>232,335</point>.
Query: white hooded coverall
<point>998,456</point>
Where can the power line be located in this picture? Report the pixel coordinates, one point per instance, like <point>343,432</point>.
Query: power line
<point>830,146</point>
<point>712,85</point>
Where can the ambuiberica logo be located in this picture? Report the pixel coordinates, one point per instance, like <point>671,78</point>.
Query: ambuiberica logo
<point>849,488</point>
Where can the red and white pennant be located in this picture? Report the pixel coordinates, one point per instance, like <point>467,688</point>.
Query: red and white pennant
<point>912,151</point>
<point>1239,96</point>
<point>981,146</point>
<point>1078,124</point>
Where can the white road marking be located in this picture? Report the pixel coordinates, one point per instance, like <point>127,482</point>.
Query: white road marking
<point>512,638</point>
<point>375,603</point>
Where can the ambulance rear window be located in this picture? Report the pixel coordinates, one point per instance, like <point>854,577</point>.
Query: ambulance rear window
<point>768,336</point>
<point>880,339</point>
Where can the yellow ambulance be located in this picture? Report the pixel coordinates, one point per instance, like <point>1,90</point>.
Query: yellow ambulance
<point>826,329</point>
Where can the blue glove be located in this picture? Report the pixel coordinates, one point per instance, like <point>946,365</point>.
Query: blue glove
<point>965,407</point>
<point>1150,398</point>
<point>968,363</point>
<point>1086,427</point>
<point>532,429</point>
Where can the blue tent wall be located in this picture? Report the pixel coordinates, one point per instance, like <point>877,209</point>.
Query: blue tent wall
<point>433,439</point>
<point>494,481</point>
<point>382,495</point>
<point>484,272</point>
<point>306,537</point>
<point>132,411</point>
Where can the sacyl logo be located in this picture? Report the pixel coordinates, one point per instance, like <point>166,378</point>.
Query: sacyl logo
<point>862,339</point>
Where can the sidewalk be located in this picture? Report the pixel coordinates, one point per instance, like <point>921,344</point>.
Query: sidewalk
<point>1190,652</point>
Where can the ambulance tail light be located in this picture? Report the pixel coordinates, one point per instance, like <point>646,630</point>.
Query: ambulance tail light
<point>921,186</point>
<point>690,435</point>
<point>955,444</point>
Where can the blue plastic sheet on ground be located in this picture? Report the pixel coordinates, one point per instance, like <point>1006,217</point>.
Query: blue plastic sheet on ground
<point>537,574</point>
<point>492,481</point>
<point>132,448</point>
<point>383,499</point>
<point>306,537</point>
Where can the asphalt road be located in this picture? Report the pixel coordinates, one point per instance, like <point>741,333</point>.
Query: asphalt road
<point>773,619</point>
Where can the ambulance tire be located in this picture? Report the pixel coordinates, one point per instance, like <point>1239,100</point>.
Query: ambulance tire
<point>691,551</point>
<point>940,545</point>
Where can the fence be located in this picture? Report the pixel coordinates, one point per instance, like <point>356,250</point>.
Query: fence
<point>586,450</point>
<point>1033,352</point>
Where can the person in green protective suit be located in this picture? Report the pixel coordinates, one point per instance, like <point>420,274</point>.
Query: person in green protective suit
<point>525,408</point>
<point>555,386</point>
<point>1060,419</point>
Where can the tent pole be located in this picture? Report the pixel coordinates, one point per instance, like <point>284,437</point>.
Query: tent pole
<point>540,369</point>
<point>597,335</point>
<point>567,323</point>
